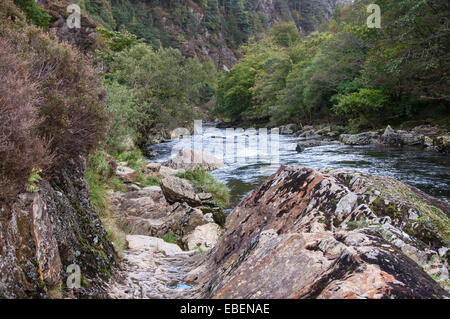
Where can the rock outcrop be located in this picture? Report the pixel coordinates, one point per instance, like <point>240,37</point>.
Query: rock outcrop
<point>43,233</point>
<point>330,234</point>
<point>365,138</point>
<point>400,137</point>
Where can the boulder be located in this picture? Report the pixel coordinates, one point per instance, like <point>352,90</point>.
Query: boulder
<point>160,171</point>
<point>299,148</point>
<point>126,174</point>
<point>204,237</point>
<point>313,143</point>
<point>323,131</point>
<point>400,137</point>
<point>138,242</point>
<point>191,159</point>
<point>443,143</point>
<point>359,139</point>
<point>180,190</point>
<point>308,233</point>
<point>288,129</point>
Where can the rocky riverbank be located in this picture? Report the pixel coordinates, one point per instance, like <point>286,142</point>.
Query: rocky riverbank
<point>303,233</point>
<point>353,235</point>
<point>424,136</point>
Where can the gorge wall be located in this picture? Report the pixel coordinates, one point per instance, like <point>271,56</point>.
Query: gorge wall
<point>43,233</point>
<point>213,29</point>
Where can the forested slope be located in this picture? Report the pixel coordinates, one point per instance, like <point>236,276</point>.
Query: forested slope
<point>348,72</point>
<point>209,29</point>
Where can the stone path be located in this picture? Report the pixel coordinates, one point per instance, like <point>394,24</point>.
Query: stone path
<point>153,269</point>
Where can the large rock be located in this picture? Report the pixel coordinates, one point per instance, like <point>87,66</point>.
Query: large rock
<point>204,237</point>
<point>329,234</point>
<point>160,171</point>
<point>146,212</point>
<point>443,143</point>
<point>126,174</point>
<point>288,129</point>
<point>191,159</point>
<point>43,233</point>
<point>400,138</point>
<point>359,139</point>
<point>137,242</point>
<point>179,190</point>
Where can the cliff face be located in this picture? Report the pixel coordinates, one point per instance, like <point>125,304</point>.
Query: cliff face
<point>213,29</point>
<point>330,234</point>
<point>42,233</point>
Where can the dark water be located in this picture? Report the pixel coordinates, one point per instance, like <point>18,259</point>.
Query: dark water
<point>428,171</point>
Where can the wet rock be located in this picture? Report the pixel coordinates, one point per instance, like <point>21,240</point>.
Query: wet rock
<point>443,143</point>
<point>359,139</point>
<point>400,138</point>
<point>313,143</point>
<point>309,212</point>
<point>288,129</point>
<point>299,148</point>
<point>191,159</point>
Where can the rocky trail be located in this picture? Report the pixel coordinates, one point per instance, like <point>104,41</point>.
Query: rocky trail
<point>153,269</point>
<point>353,235</point>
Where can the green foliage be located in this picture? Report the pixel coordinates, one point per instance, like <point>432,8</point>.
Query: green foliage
<point>366,105</point>
<point>100,176</point>
<point>169,238</point>
<point>117,41</point>
<point>154,91</point>
<point>100,10</point>
<point>33,12</point>
<point>34,178</point>
<point>203,179</point>
<point>348,72</point>
<point>285,34</point>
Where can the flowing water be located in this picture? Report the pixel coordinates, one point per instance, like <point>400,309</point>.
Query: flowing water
<point>428,171</point>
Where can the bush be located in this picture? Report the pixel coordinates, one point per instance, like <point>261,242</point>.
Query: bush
<point>52,106</point>
<point>72,104</point>
<point>34,13</point>
<point>21,148</point>
<point>368,106</point>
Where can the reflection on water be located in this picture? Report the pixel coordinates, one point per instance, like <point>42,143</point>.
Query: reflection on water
<point>428,171</point>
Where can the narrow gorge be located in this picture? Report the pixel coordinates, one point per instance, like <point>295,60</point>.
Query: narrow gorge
<point>224,149</point>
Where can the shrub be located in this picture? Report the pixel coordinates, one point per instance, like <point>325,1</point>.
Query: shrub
<point>21,148</point>
<point>72,106</point>
<point>34,13</point>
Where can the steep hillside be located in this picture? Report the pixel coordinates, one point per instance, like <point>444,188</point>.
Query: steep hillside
<point>210,29</point>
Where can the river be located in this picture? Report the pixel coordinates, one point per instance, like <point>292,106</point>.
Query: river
<point>428,171</point>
